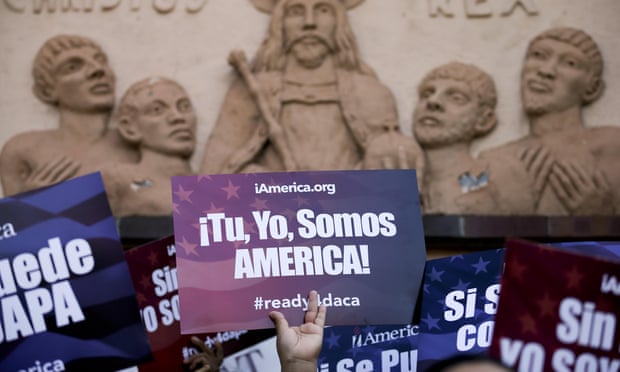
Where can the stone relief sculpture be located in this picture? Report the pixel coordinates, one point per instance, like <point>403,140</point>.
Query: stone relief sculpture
<point>456,105</point>
<point>71,73</point>
<point>308,101</point>
<point>157,116</point>
<point>571,169</point>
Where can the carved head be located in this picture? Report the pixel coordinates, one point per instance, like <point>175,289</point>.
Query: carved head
<point>309,30</point>
<point>563,69</point>
<point>72,72</point>
<point>157,114</point>
<point>456,104</point>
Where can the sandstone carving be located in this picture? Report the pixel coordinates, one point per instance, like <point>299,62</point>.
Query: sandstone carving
<point>307,101</point>
<point>157,116</point>
<point>456,105</point>
<point>571,169</point>
<point>72,73</point>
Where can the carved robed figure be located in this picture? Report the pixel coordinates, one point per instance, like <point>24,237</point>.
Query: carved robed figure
<point>308,101</point>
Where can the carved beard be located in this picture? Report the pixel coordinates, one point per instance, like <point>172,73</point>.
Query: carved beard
<point>310,52</point>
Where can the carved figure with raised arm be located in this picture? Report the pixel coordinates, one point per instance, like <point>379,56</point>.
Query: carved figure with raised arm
<point>71,73</point>
<point>572,168</point>
<point>306,102</point>
<point>157,116</point>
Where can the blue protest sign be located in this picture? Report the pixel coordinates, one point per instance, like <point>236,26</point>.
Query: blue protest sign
<point>459,302</point>
<point>66,296</point>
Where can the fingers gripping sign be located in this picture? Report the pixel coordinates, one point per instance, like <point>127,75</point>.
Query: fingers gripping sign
<point>207,359</point>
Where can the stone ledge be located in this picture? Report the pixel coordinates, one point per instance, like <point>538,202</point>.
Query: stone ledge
<point>440,226</point>
<point>141,228</point>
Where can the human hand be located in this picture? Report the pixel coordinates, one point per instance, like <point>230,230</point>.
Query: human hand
<point>538,162</point>
<point>581,193</point>
<point>57,170</point>
<point>207,359</point>
<point>299,347</point>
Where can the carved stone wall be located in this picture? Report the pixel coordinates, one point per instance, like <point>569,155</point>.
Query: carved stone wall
<point>402,40</point>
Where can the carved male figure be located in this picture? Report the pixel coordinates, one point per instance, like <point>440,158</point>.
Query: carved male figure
<point>309,103</point>
<point>157,116</point>
<point>456,104</point>
<point>72,73</point>
<point>572,168</point>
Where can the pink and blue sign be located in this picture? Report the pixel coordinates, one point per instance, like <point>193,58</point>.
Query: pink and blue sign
<point>559,308</point>
<point>248,244</point>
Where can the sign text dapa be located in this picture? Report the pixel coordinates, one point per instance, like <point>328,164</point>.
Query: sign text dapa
<point>33,286</point>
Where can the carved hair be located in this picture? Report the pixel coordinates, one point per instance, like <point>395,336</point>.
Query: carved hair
<point>128,106</point>
<point>580,40</point>
<point>44,61</point>
<point>479,81</point>
<point>271,55</point>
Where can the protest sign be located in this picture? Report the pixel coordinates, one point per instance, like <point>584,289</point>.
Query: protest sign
<point>67,299</point>
<point>369,348</point>
<point>592,248</point>
<point>260,357</point>
<point>459,302</point>
<point>154,274</point>
<point>251,243</point>
<point>558,310</point>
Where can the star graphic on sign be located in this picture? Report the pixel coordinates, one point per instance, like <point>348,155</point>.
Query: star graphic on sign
<point>546,305</point>
<point>152,257</point>
<point>453,258</point>
<point>259,204</point>
<point>481,266</point>
<point>431,322</point>
<point>528,324</point>
<point>462,286</point>
<point>517,270</point>
<point>201,177</point>
<point>231,191</point>
<point>332,340</point>
<point>435,275</point>
<point>442,302</point>
<point>250,227</point>
<point>301,201</point>
<point>188,247</point>
<point>145,282</point>
<point>574,278</point>
<point>141,298</point>
<point>175,208</point>
<point>426,287</point>
<point>369,329</point>
<point>183,194</point>
<point>213,209</point>
<point>289,214</point>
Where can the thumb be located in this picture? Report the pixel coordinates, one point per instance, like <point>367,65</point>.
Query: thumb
<point>279,321</point>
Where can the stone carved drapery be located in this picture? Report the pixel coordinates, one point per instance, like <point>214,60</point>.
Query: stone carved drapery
<point>309,101</point>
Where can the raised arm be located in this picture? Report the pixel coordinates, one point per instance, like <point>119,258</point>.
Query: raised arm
<point>299,347</point>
